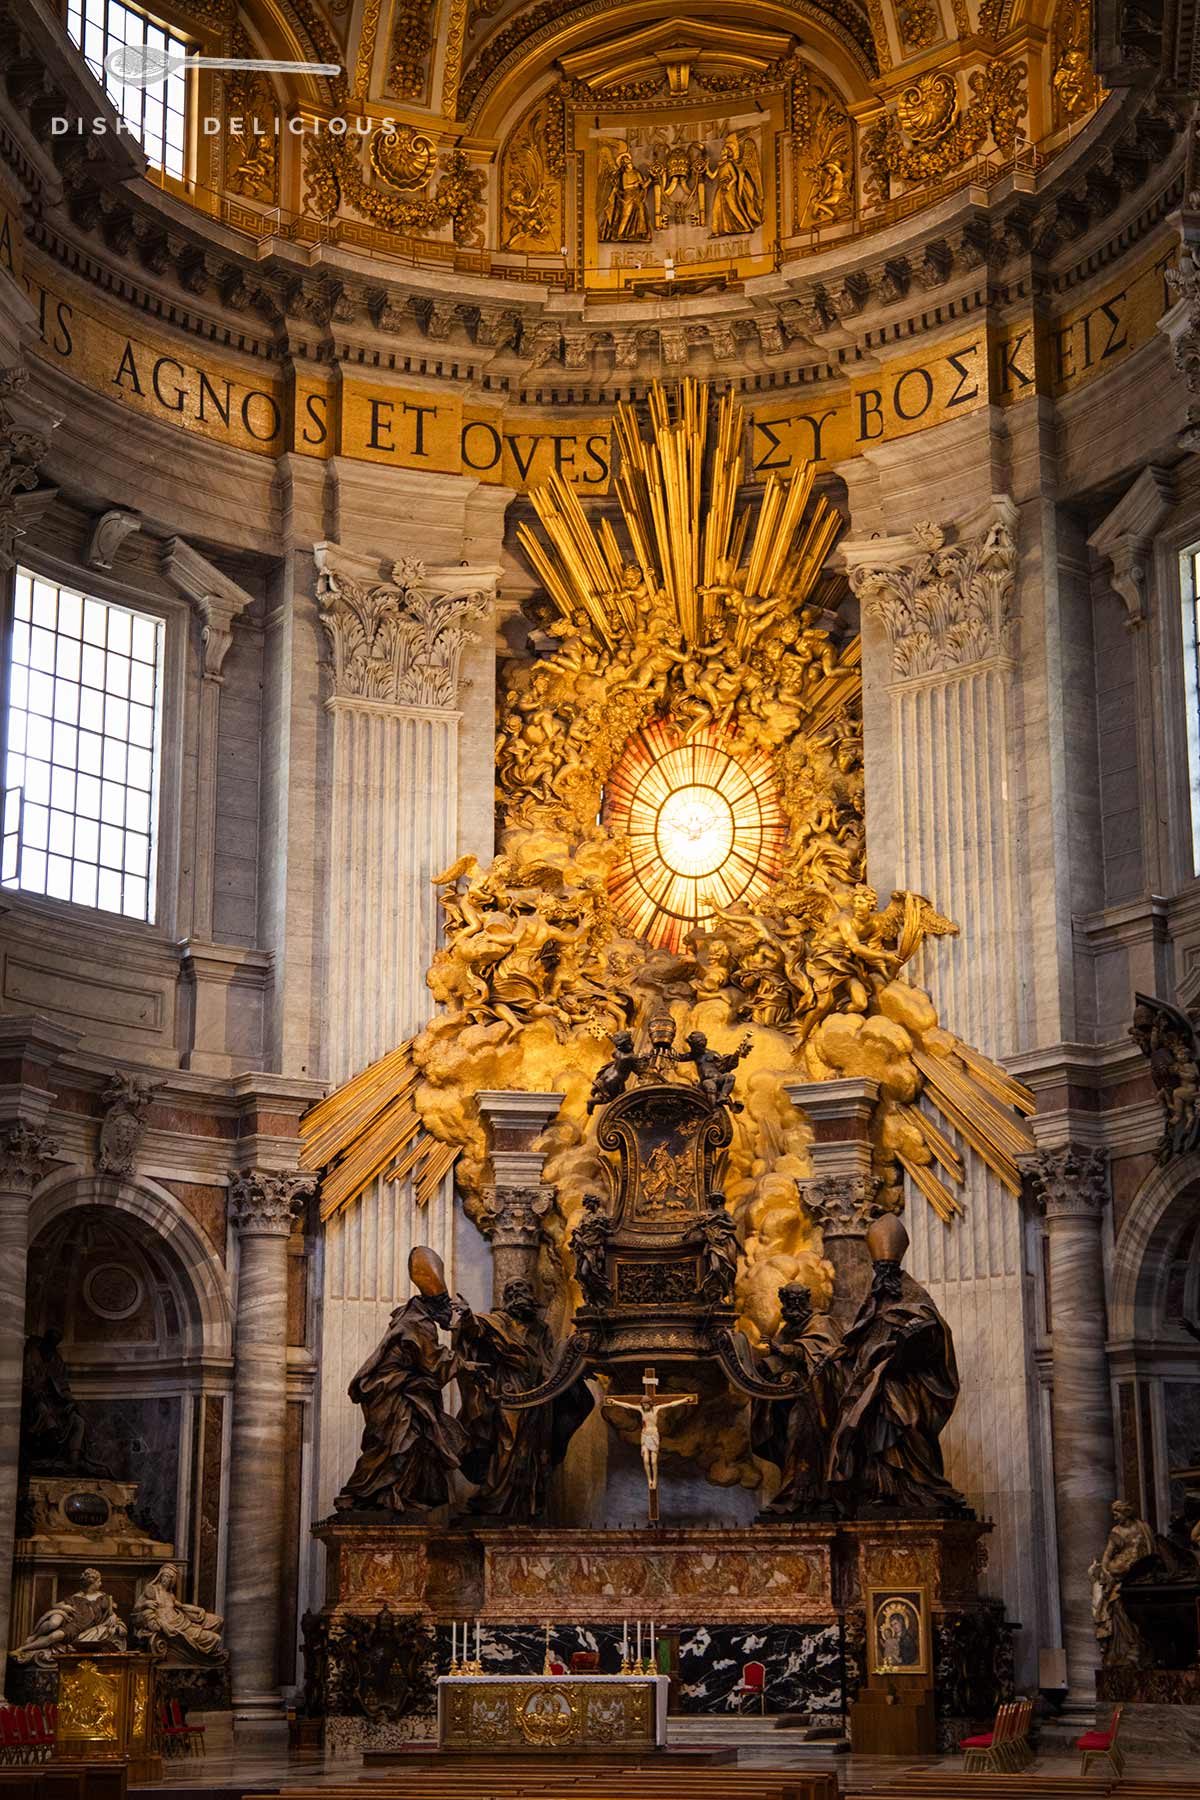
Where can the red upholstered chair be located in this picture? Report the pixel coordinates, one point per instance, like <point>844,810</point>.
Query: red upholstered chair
<point>754,1681</point>
<point>41,1737</point>
<point>1101,1746</point>
<point>13,1747</point>
<point>557,1667</point>
<point>1006,1747</point>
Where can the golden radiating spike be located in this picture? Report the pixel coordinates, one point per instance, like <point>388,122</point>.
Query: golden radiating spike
<point>936,1141</point>
<point>944,1203</point>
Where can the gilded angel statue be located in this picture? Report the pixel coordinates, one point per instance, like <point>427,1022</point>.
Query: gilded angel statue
<point>737,195</point>
<point>623,197</point>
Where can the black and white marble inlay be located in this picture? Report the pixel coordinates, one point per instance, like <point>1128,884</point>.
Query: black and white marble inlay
<point>804,1663</point>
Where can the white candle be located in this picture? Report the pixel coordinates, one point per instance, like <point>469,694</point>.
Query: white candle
<point>453,1641</point>
<point>639,1640</point>
<point>477,1640</point>
<point>624,1640</point>
<point>652,1643</point>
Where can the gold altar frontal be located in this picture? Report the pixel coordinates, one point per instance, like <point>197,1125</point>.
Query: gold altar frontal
<point>106,1711</point>
<point>498,1714</point>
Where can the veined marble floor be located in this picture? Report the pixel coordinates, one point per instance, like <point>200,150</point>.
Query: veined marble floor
<point>262,1763</point>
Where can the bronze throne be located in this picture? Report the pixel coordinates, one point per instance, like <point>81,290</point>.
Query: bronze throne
<point>657,1261</point>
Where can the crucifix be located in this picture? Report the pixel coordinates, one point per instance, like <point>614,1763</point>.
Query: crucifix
<point>648,1405</point>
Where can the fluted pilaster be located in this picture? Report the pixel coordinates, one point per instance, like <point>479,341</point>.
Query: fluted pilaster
<point>396,638</point>
<point>25,1157</point>
<point>1071,1185</point>
<point>263,1207</point>
<point>939,645</point>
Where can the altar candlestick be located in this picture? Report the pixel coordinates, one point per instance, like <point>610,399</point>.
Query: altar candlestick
<point>625,1640</point>
<point>453,1644</point>
<point>477,1656</point>
<point>639,1640</point>
<point>652,1643</point>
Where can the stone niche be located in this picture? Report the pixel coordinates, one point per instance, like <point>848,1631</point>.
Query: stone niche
<point>789,1595</point>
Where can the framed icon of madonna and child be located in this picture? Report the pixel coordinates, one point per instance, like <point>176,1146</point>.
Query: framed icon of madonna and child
<point>898,1631</point>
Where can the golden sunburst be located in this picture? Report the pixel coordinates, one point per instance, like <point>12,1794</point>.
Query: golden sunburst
<point>703,826</point>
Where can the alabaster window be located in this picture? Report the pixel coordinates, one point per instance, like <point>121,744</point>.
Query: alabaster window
<point>156,115</point>
<point>1190,581</point>
<point>82,749</point>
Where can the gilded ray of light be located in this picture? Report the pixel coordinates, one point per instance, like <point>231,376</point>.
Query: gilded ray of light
<point>704,829</point>
<point>677,489</point>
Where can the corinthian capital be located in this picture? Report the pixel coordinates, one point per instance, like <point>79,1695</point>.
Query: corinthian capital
<point>842,1205</point>
<point>1071,1181</point>
<point>399,640</point>
<point>944,606</point>
<point>21,450</point>
<point>25,1156</point>
<point>264,1204</point>
<point>514,1216</point>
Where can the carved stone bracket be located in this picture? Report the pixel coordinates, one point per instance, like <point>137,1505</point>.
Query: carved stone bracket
<point>22,448</point>
<point>25,1157</point>
<point>945,607</point>
<point>1070,1181</point>
<point>1126,537</point>
<point>842,1205</point>
<point>108,534</point>
<point>265,1203</point>
<point>398,640</point>
<point>125,1102</point>
<point>216,600</point>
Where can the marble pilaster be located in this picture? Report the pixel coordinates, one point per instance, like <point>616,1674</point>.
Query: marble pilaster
<point>25,1157</point>
<point>262,1208</point>
<point>398,635</point>
<point>940,637</point>
<point>1071,1185</point>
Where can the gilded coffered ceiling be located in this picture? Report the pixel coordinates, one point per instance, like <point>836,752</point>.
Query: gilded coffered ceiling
<point>624,146</point>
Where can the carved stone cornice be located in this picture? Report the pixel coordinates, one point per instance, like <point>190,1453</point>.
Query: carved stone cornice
<point>842,1205</point>
<point>25,1157</point>
<point>22,448</point>
<point>1070,1181</point>
<point>216,600</point>
<point>945,607</point>
<point>1126,536</point>
<point>398,641</point>
<point>265,1203</point>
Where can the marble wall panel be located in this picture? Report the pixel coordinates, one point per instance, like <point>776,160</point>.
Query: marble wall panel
<point>138,1440</point>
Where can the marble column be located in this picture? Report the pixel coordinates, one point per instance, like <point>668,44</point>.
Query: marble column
<point>517,1202</point>
<point>262,1208</point>
<point>840,1197</point>
<point>1070,1184</point>
<point>25,1157</point>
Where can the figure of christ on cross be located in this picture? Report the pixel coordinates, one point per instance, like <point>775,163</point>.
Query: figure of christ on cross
<point>648,1405</point>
